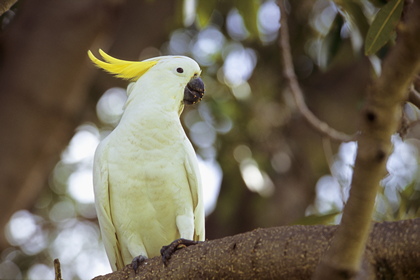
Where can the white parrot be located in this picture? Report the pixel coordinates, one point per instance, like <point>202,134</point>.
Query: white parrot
<point>146,179</point>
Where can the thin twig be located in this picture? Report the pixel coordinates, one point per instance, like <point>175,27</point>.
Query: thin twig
<point>414,96</point>
<point>57,269</point>
<point>289,74</point>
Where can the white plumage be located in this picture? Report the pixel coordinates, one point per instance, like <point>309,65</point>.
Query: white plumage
<point>146,178</point>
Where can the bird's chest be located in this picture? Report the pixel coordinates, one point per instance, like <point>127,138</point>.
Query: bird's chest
<point>147,149</point>
<point>142,162</point>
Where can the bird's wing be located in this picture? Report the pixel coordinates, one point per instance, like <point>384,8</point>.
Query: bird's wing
<point>194,181</point>
<point>103,208</point>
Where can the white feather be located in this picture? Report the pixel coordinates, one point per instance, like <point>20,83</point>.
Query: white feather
<point>146,179</point>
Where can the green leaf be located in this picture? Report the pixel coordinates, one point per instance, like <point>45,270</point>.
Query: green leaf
<point>323,219</point>
<point>205,9</point>
<point>407,192</point>
<point>383,26</point>
<point>248,9</point>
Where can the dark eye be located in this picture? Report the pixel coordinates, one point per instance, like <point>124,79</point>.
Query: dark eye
<point>179,70</point>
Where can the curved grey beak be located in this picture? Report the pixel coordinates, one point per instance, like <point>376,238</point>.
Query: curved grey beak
<point>194,91</point>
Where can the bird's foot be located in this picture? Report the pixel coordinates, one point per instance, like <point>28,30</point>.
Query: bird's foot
<point>137,261</point>
<point>167,251</point>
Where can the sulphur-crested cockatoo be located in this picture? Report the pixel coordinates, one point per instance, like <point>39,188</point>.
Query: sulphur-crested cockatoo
<point>146,178</point>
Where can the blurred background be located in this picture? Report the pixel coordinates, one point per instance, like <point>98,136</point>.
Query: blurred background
<point>261,164</point>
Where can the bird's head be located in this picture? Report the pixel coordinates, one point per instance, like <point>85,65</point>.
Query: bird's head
<point>171,71</point>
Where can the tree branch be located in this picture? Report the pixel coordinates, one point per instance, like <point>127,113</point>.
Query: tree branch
<point>380,119</point>
<point>289,252</point>
<point>414,96</point>
<point>291,79</point>
<point>5,5</point>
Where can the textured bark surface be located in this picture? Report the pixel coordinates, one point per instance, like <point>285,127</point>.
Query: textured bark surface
<point>289,252</point>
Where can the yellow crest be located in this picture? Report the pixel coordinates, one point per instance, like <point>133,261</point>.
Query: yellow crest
<point>128,70</point>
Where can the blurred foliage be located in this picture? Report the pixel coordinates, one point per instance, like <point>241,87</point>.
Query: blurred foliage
<point>275,169</point>
<point>322,219</point>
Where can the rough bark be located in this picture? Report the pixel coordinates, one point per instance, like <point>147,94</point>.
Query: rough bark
<point>380,119</point>
<point>289,252</point>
